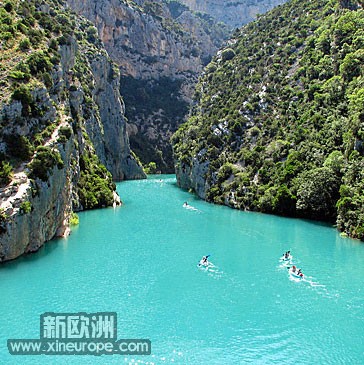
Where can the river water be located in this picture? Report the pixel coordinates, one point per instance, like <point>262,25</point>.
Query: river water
<point>140,261</point>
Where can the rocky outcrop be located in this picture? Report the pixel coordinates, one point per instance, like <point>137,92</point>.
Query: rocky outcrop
<point>193,177</point>
<point>233,13</point>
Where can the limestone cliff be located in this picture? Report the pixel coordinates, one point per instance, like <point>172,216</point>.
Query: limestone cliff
<point>233,13</point>
<point>160,47</point>
<point>61,122</point>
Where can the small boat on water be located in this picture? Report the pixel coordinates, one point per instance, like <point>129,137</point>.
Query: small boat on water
<point>286,258</point>
<point>295,273</point>
<point>202,263</point>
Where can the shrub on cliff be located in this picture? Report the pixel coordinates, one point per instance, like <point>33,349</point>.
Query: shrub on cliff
<point>43,162</point>
<point>227,54</point>
<point>39,62</point>
<point>74,219</point>
<point>18,146</point>
<point>22,94</point>
<point>25,207</point>
<point>3,220</point>
<point>24,44</point>
<point>95,186</point>
<point>5,173</point>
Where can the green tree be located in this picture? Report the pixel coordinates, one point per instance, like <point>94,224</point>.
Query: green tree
<point>335,162</point>
<point>317,193</point>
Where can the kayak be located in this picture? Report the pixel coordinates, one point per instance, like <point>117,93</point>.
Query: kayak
<point>295,274</point>
<point>203,264</point>
<point>189,207</point>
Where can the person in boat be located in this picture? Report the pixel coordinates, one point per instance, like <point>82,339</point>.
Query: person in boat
<point>185,204</point>
<point>294,269</point>
<point>299,272</point>
<point>204,260</point>
<point>287,254</point>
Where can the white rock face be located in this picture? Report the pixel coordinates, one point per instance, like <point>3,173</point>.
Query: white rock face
<point>193,177</point>
<point>233,13</point>
<point>145,43</point>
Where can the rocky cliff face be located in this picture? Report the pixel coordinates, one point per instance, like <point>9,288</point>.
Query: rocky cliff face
<point>61,122</point>
<point>160,47</point>
<point>107,125</point>
<point>151,40</point>
<point>233,13</point>
<point>49,205</point>
<point>193,177</point>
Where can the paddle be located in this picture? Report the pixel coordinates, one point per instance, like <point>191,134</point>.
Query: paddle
<point>199,263</point>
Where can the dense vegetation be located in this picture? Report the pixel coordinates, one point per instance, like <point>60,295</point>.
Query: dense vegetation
<point>280,116</point>
<point>32,34</point>
<point>95,186</point>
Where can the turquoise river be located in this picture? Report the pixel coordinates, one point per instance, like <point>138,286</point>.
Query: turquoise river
<point>140,261</point>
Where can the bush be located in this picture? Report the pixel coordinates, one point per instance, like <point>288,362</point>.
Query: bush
<point>227,54</point>
<point>39,62</point>
<point>151,168</point>
<point>335,162</point>
<point>23,67</point>
<point>6,40</point>
<point>18,146</point>
<point>24,44</point>
<point>5,173</point>
<point>22,94</point>
<point>35,36</point>
<point>3,220</point>
<point>47,79</point>
<point>9,6</point>
<point>92,34</point>
<point>25,207</point>
<point>44,160</point>
<point>95,187</point>
<point>64,134</point>
<point>284,201</point>
<point>53,44</point>
<point>74,220</point>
